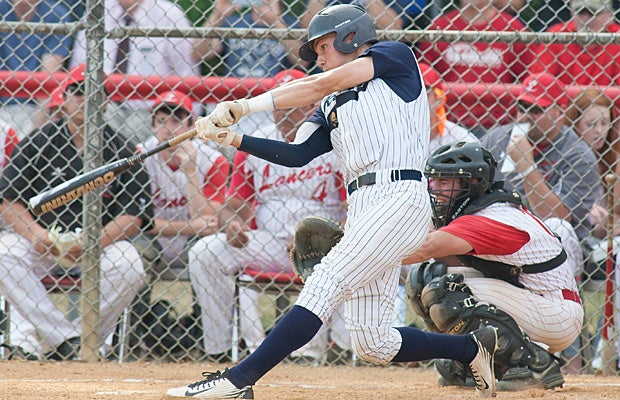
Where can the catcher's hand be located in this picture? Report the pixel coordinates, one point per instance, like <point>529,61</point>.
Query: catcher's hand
<point>314,238</point>
<point>65,242</point>
<point>207,130</point>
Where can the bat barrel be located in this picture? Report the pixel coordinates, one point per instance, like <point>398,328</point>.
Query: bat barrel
<point>76,187</point>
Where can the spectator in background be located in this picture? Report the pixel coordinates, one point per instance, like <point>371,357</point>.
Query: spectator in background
<point>591,115</point>
<point>33,52</point>
<point>578,64</point>
<point>188,182</point>
<point>493,63</point>
<point>143,56</point>
<point>43,159</point>
<point>257,58</point>
<point>274,199</point>
<point>547,163</point>
<point>388,14</point>
<point>540,15</point>
<point>53,105</point>
<point>443,131</point>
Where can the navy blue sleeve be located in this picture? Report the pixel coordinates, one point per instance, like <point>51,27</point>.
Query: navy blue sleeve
<point>319,118</point>
<point>396,65</point>
<point>288,154</point>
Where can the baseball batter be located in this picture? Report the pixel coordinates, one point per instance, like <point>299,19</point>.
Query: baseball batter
<point>274,198</point>
<point>516,272</point>
<point>374,114</point>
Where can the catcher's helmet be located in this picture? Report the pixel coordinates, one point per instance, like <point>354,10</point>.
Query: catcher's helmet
<point>343,19</point>
<point>474,165</point>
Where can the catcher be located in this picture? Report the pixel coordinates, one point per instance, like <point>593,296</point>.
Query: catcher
<point>512,271</point>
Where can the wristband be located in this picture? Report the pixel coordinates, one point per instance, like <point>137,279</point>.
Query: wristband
<point>262,102</point>
<point>528,171</point>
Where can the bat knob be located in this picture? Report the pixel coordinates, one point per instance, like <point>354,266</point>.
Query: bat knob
<point>610,178</point>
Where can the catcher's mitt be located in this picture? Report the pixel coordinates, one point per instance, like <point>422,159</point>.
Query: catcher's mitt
<point>64,242</point>
<point>314,238</point>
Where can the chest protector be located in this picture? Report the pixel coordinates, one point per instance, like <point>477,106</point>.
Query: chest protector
<point>496,269</point>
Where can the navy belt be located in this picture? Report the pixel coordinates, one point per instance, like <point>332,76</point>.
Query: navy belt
<point>370,178</point>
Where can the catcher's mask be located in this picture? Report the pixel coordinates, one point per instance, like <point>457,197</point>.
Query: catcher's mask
<point>470,164</point>
<point>343,19</point>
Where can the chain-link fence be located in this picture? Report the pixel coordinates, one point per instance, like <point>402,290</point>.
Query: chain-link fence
<point>159,264</point>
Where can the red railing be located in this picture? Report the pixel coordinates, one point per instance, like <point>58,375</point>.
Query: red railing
<point>214,88</point>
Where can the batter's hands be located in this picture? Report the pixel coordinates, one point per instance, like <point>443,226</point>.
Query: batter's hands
<point>207,130</point>
<point>235,234</point>
<point>228,113</point>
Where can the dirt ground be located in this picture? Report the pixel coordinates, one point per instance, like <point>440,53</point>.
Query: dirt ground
<point>74,380</point>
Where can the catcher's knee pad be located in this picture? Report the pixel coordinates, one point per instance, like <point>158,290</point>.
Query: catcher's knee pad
<point>449,303</point>
<point>419,276</point>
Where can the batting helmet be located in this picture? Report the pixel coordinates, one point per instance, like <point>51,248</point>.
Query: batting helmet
<point>343,19</point>
<point>474,165</point>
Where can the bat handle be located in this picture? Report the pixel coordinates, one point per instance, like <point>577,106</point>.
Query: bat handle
<point>182,137</point>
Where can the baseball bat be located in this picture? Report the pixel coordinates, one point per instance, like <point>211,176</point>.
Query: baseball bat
<point>88,181</point>
<point>608,353</point>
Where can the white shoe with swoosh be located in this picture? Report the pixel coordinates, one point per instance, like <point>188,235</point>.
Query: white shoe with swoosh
<point>215,386</point>
<point>482,364</point>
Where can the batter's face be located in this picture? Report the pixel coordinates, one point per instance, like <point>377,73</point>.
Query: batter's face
<point>594,125</point>
<point>327,57</point>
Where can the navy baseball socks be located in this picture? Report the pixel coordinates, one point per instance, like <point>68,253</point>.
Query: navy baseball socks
<point>300,325</point>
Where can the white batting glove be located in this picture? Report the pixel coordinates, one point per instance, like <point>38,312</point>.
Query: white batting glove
<point>207,130</point>
<point>228,113</point>
<point>64,242</point>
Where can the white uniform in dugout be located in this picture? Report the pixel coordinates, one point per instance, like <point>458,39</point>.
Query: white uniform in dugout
<point>170,197</point>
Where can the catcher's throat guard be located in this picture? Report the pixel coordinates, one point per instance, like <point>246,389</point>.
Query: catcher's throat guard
<point>314,238</point>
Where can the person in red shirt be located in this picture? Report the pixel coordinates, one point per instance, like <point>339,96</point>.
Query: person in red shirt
<point>480,61</point>
<point>578,64</point>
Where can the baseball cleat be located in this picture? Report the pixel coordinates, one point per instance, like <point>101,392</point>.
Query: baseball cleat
<point>482,365</point>
<point>215,386</point>
<point>551,377</point>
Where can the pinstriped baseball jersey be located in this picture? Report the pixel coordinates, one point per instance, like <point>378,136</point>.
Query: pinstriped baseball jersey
<point>493,242</point>
<point>383,123</point>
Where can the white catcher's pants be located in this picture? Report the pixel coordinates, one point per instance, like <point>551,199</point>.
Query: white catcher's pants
<point>21,268</point>
<point>212,267</point>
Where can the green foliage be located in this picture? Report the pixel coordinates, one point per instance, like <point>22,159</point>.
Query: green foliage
<point>196,10</point>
